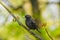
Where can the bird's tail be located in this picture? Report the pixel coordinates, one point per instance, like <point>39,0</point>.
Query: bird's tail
<point>38,30</point>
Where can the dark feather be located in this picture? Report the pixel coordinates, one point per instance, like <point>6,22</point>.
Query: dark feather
<point>31,24</point>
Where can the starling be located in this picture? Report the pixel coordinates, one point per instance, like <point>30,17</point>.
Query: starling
<point>30,23</point>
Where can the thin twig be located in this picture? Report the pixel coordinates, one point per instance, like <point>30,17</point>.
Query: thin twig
<point>48,34</point>
<point>34,34</point>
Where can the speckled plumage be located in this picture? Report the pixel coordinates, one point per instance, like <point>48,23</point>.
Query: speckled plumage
<point>31,24</point>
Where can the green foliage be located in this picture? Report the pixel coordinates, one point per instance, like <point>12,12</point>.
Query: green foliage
<point>16,32</point>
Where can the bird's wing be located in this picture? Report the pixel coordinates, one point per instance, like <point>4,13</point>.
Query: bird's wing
<point>33,22</point>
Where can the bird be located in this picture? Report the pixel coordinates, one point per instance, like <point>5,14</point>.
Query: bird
<point>30,23</point>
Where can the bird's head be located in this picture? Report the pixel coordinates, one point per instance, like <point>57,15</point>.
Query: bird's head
<point>27,16</point>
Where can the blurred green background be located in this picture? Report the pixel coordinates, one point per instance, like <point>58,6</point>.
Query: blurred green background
<point>47,12</point>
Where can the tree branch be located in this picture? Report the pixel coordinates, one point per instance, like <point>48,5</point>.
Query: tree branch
<point>48,34</point>
<point>36,11</point>
<point>34,34</point>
